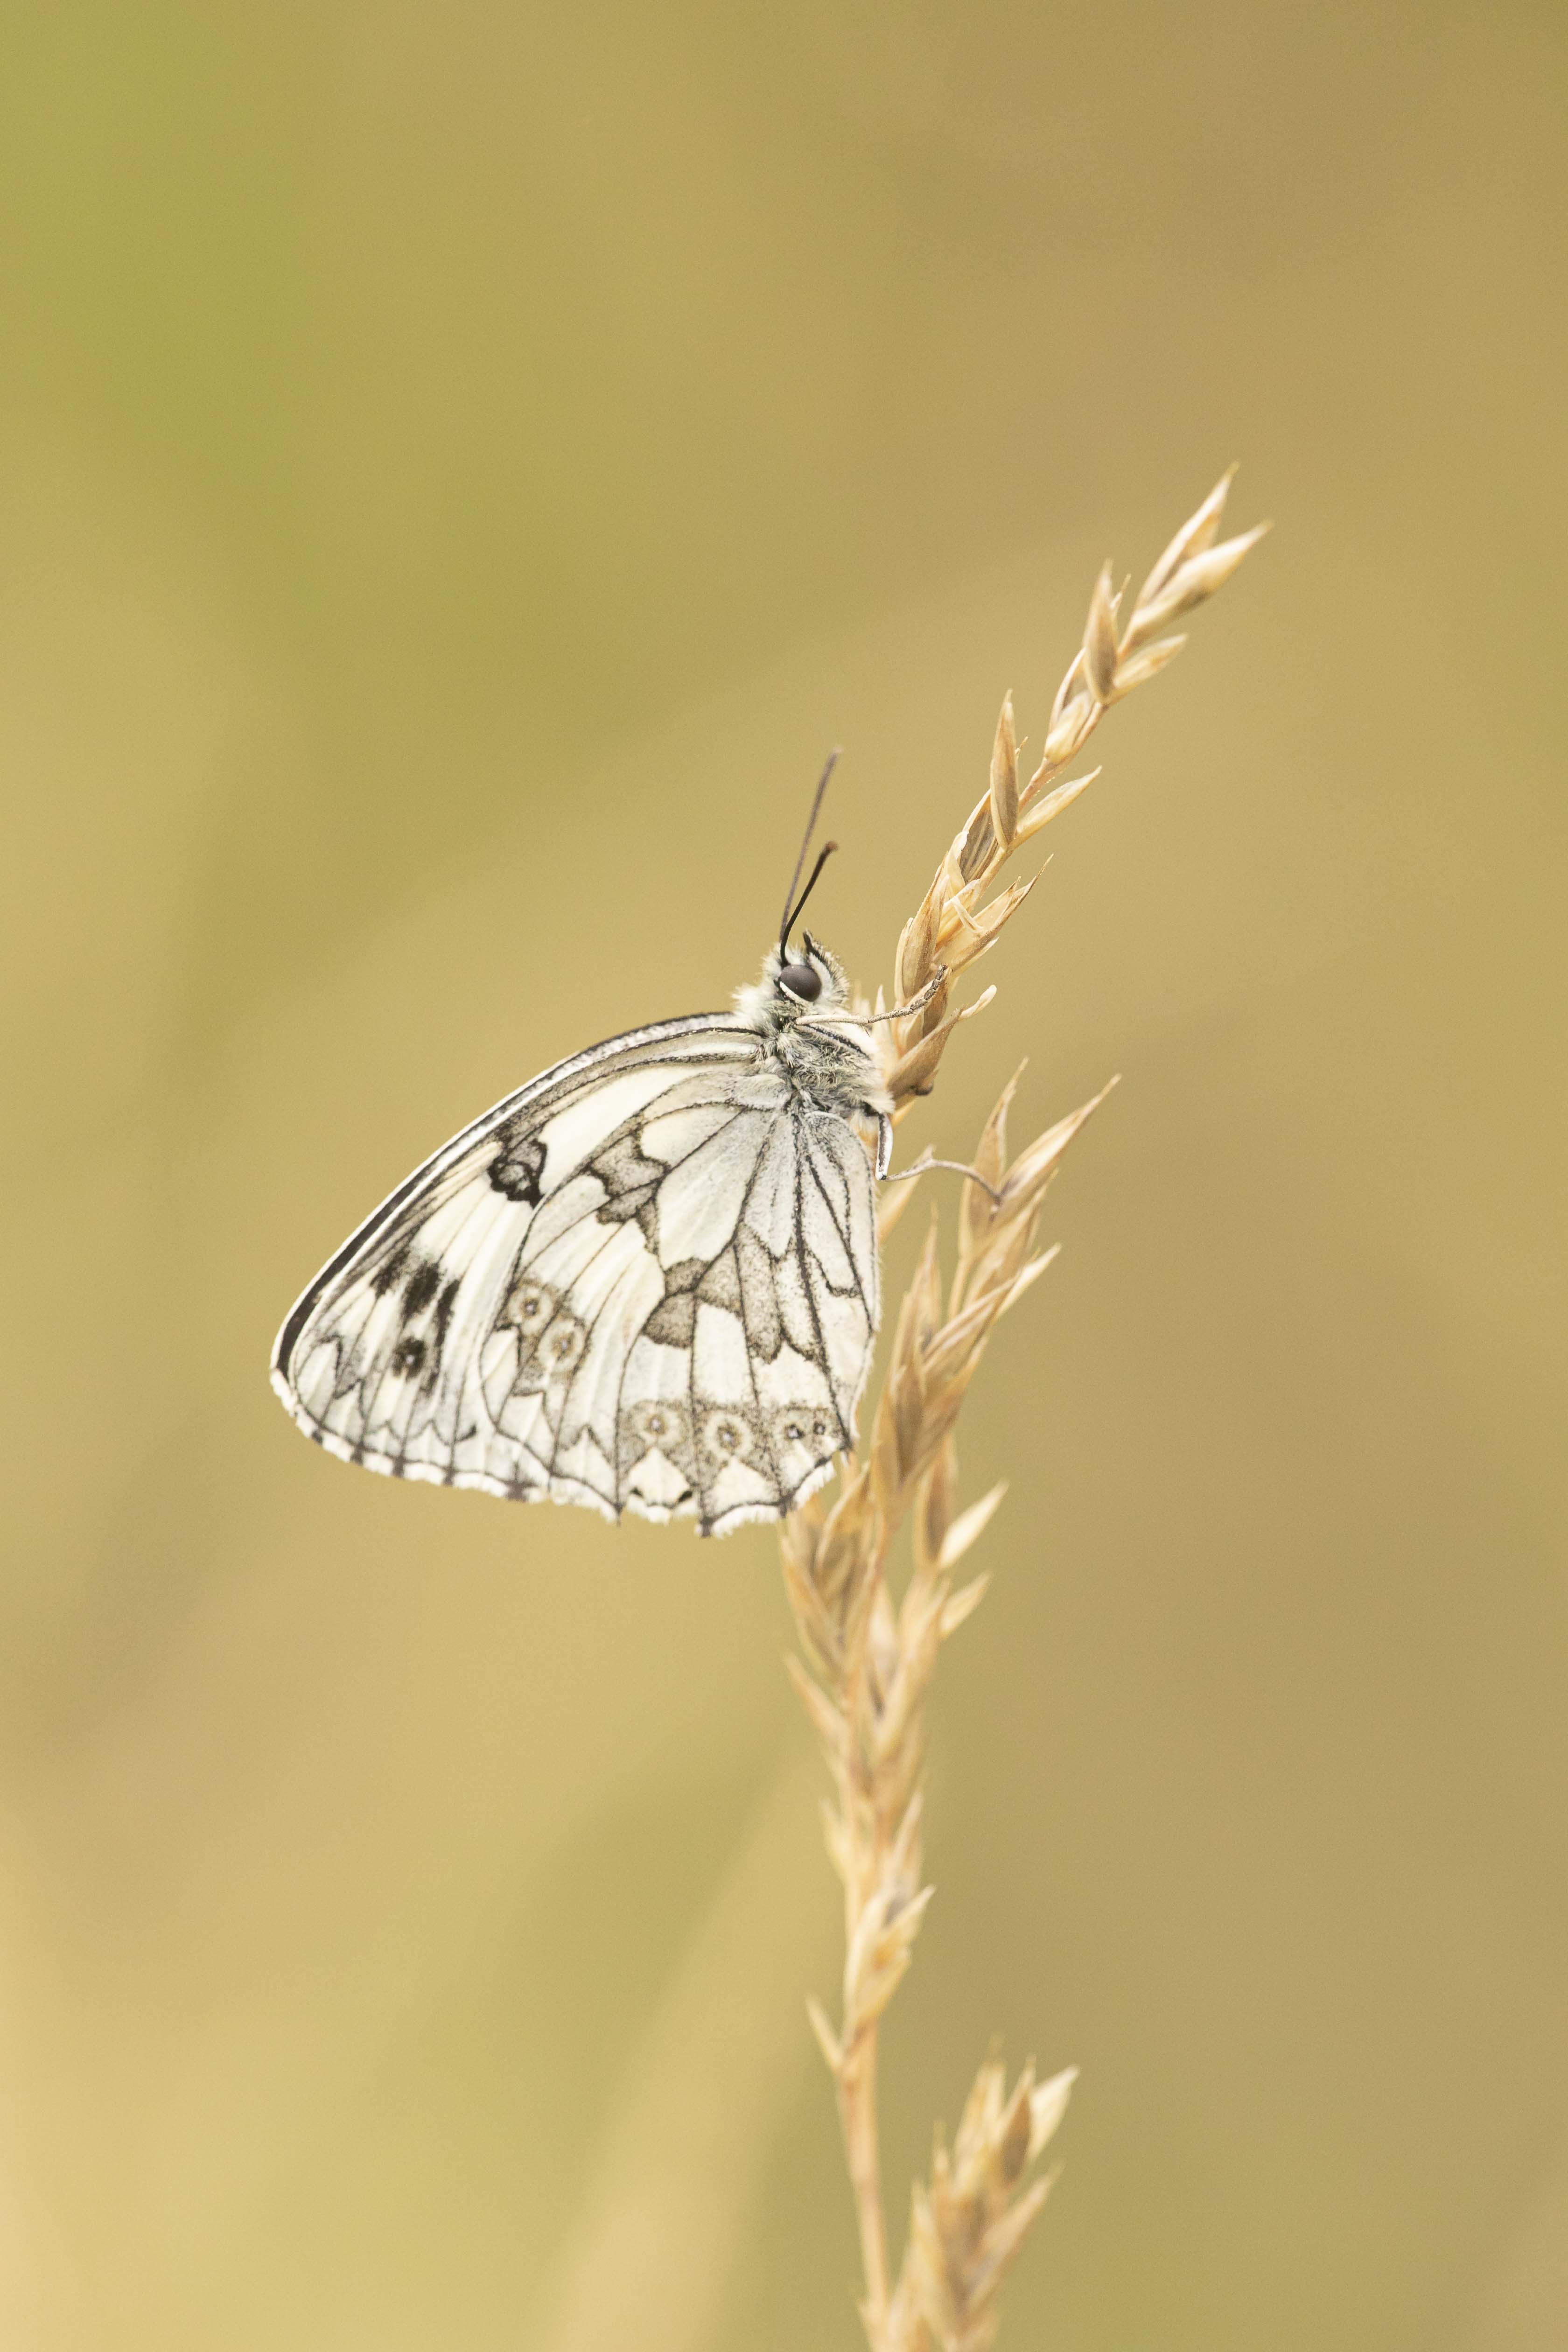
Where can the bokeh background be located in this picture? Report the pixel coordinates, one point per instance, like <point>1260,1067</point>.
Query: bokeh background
<point>459,467</point>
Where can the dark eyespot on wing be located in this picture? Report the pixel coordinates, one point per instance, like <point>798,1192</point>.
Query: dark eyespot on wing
<point>408,1356</point>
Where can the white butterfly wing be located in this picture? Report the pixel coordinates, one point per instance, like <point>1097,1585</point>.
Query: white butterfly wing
<point>647,1280</point>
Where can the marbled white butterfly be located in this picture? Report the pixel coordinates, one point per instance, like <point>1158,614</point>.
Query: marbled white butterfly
<point>645,1281</point>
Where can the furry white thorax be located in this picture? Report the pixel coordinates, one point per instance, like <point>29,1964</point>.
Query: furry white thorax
<point>827,1059</point>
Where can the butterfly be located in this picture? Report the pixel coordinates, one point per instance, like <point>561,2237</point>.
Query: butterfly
<point>645,1281</point>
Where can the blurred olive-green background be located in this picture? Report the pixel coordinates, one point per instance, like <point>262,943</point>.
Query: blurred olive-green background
<point>459,467</point>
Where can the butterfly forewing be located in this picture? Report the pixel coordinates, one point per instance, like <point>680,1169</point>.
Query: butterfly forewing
<point>646,1281</point>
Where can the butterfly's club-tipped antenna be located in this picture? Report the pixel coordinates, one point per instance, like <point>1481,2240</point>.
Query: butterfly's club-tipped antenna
<point>792,905</point>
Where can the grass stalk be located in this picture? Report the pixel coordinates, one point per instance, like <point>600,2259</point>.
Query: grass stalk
<point>867,1655</point>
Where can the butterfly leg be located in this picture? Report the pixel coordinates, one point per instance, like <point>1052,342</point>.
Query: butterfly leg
<point>917,1003</point>
<point>920,1167</point>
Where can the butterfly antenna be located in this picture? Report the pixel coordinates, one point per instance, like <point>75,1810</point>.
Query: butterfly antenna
<point>792,905</point>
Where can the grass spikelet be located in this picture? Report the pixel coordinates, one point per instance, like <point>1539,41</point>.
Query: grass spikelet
<point>869,1656</point>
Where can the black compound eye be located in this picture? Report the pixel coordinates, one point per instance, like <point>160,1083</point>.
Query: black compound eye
<point>802,980</point>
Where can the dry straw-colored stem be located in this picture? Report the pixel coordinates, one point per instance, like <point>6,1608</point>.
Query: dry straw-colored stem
<point>867,1655</point>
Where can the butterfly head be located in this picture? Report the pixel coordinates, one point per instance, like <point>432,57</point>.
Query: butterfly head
<point>812,980</point>
<point>795,980</point>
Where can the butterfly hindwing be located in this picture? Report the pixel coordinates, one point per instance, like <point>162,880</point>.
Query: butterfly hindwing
<point>646,1281</point>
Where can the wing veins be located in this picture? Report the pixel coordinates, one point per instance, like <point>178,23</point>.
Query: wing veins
<point>426,1178</point>
<point>807,1285</point>
<point>843,1233</point>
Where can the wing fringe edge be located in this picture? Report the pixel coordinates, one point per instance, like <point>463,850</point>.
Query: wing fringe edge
<point>555,1490</point>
